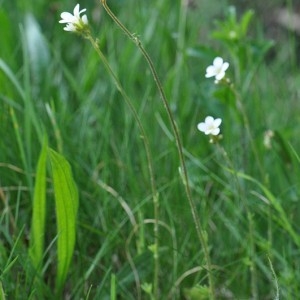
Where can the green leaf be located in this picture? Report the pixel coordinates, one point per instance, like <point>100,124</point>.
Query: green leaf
<point>7,34</point>
<point>66,203</point>
<point>12,78</point>
<point>245,21</point>
<point>39,209</point>
<point>282,148</point>
<point>197,292</point>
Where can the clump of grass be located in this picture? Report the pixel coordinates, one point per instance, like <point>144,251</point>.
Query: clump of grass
<point>160,212</point>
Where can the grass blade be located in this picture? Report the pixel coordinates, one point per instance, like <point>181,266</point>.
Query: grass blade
<point>2,294</point>
<point>283,217</point>
<point>13,79</point>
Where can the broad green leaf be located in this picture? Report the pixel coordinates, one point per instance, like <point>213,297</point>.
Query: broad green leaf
<point>66,204</point>
<point>39,209</point>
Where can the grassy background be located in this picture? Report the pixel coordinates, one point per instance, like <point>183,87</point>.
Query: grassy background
<point>53,82</point>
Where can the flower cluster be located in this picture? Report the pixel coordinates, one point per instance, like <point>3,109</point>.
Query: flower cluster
<point>74,22</point>
<point>211,126</point>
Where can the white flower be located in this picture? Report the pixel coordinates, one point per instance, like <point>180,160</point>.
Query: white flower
<point>217,69</point>
<point>210,126</point>
<point>74,22</point>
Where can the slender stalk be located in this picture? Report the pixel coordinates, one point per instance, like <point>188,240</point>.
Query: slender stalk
<point>251,244</point>
<point>253,268</point>
<point>180,45</point>
<point>147,149</point>
<point>200,232</point>
<point>240,107</point>
<point>275,279</point>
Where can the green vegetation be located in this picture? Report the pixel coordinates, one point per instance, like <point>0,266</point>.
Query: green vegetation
<point>107,188</point>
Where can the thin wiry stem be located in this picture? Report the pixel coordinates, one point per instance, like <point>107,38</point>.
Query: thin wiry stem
<point>251,244</point>
<point>200,232</point>
<point>253,268</point>
<point>147,149</point>
<point>241,109</point>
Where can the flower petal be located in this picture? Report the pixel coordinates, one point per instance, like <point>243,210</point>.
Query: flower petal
<point>215,131</point>
<point>202,127</point>
<point>85,19</point>
<point>217,122</point>
<point>218,62</point>
<point>66,17</point>
<point>210,71</point>
<point>76,10</point>
<point>83,10</point>
<point>209,120</point>
<point>225,66</point>
<point>220,75</point>
<point>70,27</point>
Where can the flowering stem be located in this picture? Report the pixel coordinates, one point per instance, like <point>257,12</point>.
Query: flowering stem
<point>146,145</point>
<point>200,232</point>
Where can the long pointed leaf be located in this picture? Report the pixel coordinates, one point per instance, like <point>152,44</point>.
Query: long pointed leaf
<point>66,203</point>
<point>39,209</point>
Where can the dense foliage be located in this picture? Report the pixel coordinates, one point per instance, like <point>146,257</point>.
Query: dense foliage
<point>75,126</point>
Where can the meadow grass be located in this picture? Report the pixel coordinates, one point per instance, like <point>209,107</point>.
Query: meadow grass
<point>83,119</point>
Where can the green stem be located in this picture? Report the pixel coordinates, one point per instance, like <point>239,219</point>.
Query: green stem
<point>147,149</point>
<point>179,54</point>
<point>242,110</point>
<point>253,269</point>
<point>251,245</point>
<point>200,232</point>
